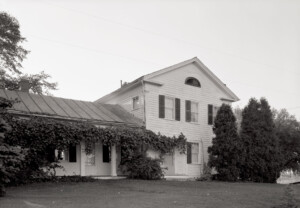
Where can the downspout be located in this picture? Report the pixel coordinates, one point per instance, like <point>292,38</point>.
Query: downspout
<point>144,97</point>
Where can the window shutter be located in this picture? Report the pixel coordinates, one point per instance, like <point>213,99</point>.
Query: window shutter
<point>189,153</point>
<point>188,111</point>
<point>161,104</point>
<point>177,109</point>
<point>210,114</point>
<point>72,153</point>
<point>106,153</point>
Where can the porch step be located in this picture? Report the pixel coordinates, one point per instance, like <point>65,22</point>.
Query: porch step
<point>109,177</point>
<point>180,178</point>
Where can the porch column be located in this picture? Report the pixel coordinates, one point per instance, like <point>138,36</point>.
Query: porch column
<point>82,158</point>
<point>113,163</point>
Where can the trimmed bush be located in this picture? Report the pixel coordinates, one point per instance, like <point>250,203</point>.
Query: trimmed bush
<point>143,167</point>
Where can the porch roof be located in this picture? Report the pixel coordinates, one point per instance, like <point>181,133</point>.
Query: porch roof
<point>68,109</point>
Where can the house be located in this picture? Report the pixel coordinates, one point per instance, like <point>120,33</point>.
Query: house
<point>182,98</point>
<point>74,160</point>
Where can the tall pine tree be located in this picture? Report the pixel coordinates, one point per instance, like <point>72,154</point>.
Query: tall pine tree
<point>225,154</point>
<point>262,161</point>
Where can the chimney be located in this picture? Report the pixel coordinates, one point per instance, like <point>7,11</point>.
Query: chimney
<point>24,84</point>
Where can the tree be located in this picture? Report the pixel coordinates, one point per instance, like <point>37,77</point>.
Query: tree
<point>11,157</point>
<point>11,51</point>
<point>288,133</point>
<point>262,158</point>
<point>11,56</point>
<point>226,150</point>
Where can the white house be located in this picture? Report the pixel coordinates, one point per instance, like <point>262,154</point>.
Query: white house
<point>182,98</point>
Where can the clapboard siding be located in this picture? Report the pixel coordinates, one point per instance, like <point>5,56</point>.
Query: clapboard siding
<point>124,99</point>
<point>201,132</point>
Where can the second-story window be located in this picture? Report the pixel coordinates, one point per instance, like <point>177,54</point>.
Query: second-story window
<point>135,103</point>
<point>191,111</point>
<point>169,107</point>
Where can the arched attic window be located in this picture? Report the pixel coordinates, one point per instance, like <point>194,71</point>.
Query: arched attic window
<point>192,81</point>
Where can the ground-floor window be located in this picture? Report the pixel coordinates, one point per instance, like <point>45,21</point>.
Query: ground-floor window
<point>68,155</point>
<point>192,153</point>
<point>90,158</point>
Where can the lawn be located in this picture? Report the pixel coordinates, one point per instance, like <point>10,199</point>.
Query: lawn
<point>140,194</point>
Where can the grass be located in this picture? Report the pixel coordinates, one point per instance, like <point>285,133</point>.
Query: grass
<point>141,194</point>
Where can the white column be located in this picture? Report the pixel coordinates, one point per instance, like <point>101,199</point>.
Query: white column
<point>82,158</point>
<point>113,163</point>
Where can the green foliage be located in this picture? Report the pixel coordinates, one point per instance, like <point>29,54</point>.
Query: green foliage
<point>262,158</point>
<point>226,150</point>
<point>42,136</point>
<point>206,173</point>
<point>11,51</point>
<point>11,157</point>
<point>12,54</point>
<point>143,167</point>
<point>288,133</point>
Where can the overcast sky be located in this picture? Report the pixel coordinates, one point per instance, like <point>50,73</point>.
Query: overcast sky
<point>89,46</point>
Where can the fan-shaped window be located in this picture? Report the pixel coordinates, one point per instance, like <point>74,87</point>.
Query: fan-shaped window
<point>193,82</point>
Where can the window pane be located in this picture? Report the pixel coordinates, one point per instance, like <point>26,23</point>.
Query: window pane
<point>195,158</point>
<point>169,108</point>
<point>135,103</point>
<point>194,117</point>
<point>169,103</point>
<point>90,158</point>
<point>169,113</point>
<point>195,148</point>
<point>194,107</point>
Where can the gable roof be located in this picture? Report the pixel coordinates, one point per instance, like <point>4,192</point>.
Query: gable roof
<point>148,77</point>
<point>68,109</point>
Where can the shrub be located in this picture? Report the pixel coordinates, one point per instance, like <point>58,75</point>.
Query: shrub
<point>206,175</point>
<point>143,167</point>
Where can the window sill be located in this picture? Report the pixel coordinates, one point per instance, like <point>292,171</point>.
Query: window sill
<point>168,119</point>
<point>136,109</point>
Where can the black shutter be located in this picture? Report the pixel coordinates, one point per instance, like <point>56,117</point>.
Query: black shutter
<point>106,154</point>
<point>161,105</point>
<point>72,153</point>
<point>189,153</point>
<point>188,111</point>
<point>210,114</point>
<point>177,109</point>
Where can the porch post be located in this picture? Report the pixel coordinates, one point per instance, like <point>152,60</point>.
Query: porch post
<point>82,158</point>
<point>113,163</point>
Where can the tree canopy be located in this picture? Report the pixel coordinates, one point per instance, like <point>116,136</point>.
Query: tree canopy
<point>12,54</point>
<point>262,161</point>
<point>226,150</point>
<point>288,133</point>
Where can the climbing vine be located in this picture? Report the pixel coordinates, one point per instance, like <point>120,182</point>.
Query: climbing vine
<point>43,135</point>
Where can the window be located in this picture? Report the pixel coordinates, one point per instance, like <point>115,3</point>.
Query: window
<point>192,81</point>
<point>90,158</point>
<point>212,113</point>
<point>68,155</point>
<point>106,153</point>
<point>191,109</point>
<point>169,107</point>
<point>135,103</point>
<point>192,153</point>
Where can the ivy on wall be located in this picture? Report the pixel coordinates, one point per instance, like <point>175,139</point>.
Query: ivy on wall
<point>44,134</point>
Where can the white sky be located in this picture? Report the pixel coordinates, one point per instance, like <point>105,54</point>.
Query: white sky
<point>89,46</point>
